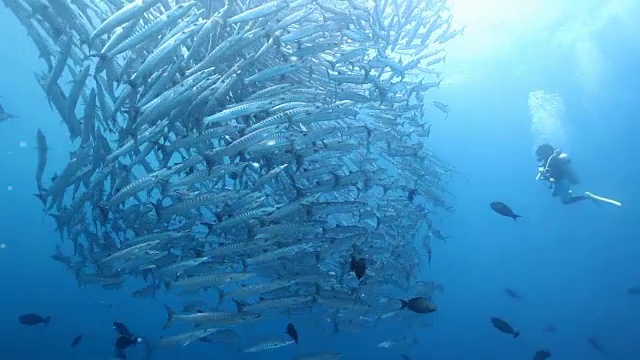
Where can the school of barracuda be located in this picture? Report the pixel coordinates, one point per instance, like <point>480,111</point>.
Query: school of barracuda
<point>255,149</point>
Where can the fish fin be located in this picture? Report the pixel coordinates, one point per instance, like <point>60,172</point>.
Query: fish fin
<point>164,187</point>
<point>100,56</point>
<point>170,316</point>
<point>403,304</point>
<point>220,295</point>
<point>210,227</point>
<point>515,217</point>
<point>46,320</point>
<point>239,305</point>
<point>516,334</point>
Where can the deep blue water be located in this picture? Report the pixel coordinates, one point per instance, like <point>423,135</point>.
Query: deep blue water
<point>573,264</point>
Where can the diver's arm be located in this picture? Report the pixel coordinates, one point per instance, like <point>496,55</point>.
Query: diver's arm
<point>543,169</point>
<point>541,174</point>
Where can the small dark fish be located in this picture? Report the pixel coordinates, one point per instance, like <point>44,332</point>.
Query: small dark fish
<point>514,294</point>
<point>504,210</point>
<point>633,290</point>
<point>419,305</point>
<point>442,107</point>
<point>504,327</point>
<point>292,332</point>
<point>595,345</point>
<point>33,319</point>
<point>5,115</point>
<point>121,329</point>
<point>541,355</point>
<point>359,267</point>
<point>550,329</point>
<point>76,340</point>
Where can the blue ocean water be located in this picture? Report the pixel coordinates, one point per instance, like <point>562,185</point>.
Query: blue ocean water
<point>573,264</point>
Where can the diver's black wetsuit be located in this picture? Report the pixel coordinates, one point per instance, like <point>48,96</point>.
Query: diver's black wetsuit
<point>556,173</point>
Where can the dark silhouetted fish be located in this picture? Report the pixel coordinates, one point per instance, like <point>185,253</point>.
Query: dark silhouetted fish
<point>419,305</point>
<point>504,327</point>
<point>514,294</point>
<point>633,290</point>
<point>292,332</point>
<point>504,210</point>
<point>359,267</point>
<point>76,340</point>
<point>595,345</point>
<point>550,328</point>
<point>541,355</point>
<point>442,107</point>
<point>33,319</point>
<point>5,115</point>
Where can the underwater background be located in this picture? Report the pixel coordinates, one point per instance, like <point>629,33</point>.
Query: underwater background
<point>572,264</point>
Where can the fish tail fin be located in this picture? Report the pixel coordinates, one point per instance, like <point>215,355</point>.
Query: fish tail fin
<point>100,56</point>
<point>164,151</point>
<point>46,320</point>
<point>403,304</point>
<point>515,217</point>
<point>42,197</point>
<point>220,295</point>
<point>157,208</point>
<point>239,305</point>
<point>209,226</point>
<point>170,316</point>
<point>516,334</point>
<point>164,187</point>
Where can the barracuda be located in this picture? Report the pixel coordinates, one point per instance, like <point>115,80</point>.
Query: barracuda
<point>271,152</point>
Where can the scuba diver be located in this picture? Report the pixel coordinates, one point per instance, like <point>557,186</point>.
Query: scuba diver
<point>555,168</point>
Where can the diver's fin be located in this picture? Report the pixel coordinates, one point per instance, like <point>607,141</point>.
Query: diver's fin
<point>603,199</point>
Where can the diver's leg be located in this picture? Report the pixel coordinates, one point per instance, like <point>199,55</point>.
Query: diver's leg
<point>563,190</point>
<point>572,199</point>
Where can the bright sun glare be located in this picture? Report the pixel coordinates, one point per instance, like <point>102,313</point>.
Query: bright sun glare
<point>497,25</point>
<point>496,15</point>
